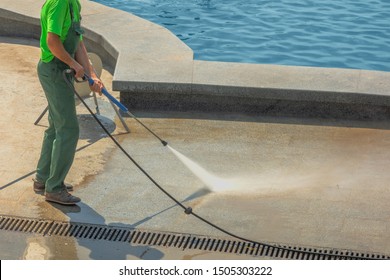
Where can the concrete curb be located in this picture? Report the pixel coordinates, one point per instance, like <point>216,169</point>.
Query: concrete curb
<point>154,70</point>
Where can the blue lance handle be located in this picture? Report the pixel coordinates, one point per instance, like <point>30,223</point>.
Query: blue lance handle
<point>109,96</point>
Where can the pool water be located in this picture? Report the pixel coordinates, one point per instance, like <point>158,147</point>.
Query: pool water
<point>328,33</point>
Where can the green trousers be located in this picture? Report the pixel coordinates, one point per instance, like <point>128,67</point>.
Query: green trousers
<point>60,138</point>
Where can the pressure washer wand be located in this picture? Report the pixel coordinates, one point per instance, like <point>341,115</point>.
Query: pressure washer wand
<point>124,109</point>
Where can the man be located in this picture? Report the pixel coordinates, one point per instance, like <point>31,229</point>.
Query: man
<point>62,48</point>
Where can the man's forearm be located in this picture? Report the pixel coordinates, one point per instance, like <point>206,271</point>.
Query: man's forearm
<point>57,49</point>
<point>82,58</point>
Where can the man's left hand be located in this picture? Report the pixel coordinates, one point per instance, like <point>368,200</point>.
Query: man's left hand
<point>97,85</point>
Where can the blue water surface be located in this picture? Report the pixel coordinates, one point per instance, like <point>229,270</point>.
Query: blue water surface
<point>327,33</point>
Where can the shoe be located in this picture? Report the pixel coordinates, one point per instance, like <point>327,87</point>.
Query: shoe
<point>62,197</point>
<point>39,187</point>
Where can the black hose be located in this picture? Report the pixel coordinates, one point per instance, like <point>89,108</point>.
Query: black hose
<point>188,210</point>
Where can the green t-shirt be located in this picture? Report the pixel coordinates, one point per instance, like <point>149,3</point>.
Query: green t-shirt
<point>55,18</point>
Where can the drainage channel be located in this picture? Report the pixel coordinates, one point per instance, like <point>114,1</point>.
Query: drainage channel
<point>177,240</point>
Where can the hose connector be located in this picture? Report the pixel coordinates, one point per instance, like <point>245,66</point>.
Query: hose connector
<point>188,210</point>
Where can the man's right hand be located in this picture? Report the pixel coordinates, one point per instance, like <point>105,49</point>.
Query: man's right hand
<point>78,69</point>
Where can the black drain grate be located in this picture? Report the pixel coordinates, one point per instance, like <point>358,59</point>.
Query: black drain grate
<point>177,240</point>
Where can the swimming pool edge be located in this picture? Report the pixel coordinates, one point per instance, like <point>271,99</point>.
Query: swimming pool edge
<point>148,62</point>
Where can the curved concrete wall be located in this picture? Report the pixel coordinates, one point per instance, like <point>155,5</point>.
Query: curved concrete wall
<point>154,70</point>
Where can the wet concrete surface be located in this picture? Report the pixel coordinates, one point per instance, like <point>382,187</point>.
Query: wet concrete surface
<point>301,184</point>
<point>307,182</point>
